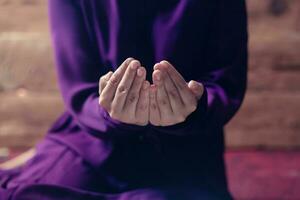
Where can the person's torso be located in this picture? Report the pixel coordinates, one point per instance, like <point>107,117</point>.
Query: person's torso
<point>151,31</point>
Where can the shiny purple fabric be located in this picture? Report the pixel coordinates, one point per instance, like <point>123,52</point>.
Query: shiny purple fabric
<point>88,155</point>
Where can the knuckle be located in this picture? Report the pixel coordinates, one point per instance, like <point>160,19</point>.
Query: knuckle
<point>132,98</point>
<point>142,107</point>
<point>114,79</point>
<point>122,89</point>
<point>153,106</point>
<point>162,102</point>
<point>173,93</point>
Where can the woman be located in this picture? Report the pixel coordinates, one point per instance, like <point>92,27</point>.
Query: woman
<point>122,137</point>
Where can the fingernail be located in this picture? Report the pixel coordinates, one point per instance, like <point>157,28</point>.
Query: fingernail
<point>164,62</point>
<point>195,86</point>
<point>140,72</point>
<point>155,66</point>
<point>128,60</point>
<point>134,65</point>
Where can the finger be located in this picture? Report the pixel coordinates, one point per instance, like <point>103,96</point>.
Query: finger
<point>197,88</point>
<point>181,85</point>
<point>172,92</point>
<point>142,108</point>
<point>175,75</point>
<point>164,105</point>
<point>134,92</point>
<point>124,86</point>
<point>103,81</point>
<point>108,92</point>
<point>154,114</point>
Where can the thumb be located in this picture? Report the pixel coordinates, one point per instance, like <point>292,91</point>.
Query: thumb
<point>103,81</point>
<point>197,88</point>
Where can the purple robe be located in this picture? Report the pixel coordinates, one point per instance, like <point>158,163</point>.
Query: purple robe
<point>88,155</point>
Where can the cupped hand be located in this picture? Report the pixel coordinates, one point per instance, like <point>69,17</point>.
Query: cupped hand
<point>129,98</point>
<point>124,94</point>
<point>172,99</point>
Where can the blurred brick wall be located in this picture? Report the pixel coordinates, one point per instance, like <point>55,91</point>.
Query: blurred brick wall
<point>29,98</point>
<point>269,117</point>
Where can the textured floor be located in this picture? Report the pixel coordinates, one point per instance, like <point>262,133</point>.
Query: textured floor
<point>261,175</point>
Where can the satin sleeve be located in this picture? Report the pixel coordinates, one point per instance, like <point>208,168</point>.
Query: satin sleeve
<point>225,77</point>
<point>79,69</point>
